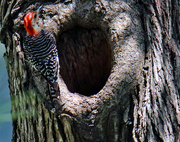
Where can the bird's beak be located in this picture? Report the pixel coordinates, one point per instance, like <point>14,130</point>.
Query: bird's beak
<point>37,12</point>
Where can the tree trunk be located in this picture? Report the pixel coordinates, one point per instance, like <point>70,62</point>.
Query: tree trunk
<point>120,71</point>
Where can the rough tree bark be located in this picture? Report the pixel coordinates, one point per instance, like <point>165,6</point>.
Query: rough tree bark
<point>120,71</point>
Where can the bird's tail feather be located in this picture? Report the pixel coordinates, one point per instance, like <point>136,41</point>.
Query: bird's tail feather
<point>55,91</point>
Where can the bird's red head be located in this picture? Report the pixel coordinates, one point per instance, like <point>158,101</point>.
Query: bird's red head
<point>28,19</point>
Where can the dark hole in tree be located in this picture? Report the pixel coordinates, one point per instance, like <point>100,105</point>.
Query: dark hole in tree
<point>85,59</point>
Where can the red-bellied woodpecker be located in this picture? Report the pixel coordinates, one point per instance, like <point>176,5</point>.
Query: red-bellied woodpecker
<point>40,50</point>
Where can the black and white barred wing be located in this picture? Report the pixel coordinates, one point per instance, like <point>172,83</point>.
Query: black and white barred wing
<point>41,52</point>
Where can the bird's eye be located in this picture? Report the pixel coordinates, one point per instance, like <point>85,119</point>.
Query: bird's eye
<point>43,12</point>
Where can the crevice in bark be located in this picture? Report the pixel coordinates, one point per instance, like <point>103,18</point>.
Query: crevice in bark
<point>15,129</point>
<point>60,126</point>
<point>173,60</point>
<point>34,128</point>
<point>155,131</point>
<point>53,131</point>
<point>175,21</point>
<point>131,118</point>
<point>44,122</point>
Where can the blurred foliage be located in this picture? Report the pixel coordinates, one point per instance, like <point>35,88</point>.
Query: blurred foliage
<point>5,102</point>
<point>5,105</point>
